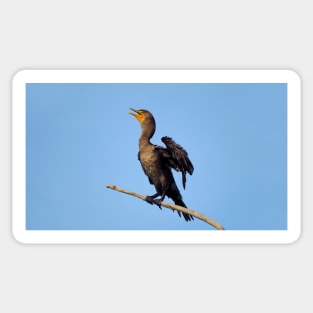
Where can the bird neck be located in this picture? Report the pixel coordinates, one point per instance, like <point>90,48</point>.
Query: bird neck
<point>147,131</point>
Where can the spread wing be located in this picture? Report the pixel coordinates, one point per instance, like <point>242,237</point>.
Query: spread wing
<point>177,158</point>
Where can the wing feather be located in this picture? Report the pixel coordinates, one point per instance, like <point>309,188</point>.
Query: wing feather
<point>177,157</point>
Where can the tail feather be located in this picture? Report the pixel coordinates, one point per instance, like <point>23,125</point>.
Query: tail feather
<point>175,195</point>
<point>186,216</point>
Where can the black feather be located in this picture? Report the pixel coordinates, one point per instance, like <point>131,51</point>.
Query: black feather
<point>179,159</point>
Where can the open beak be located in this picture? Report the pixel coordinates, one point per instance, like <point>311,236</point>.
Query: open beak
<point>139,116</point>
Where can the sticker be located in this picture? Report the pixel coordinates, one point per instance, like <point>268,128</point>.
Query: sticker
<point>231,136</point>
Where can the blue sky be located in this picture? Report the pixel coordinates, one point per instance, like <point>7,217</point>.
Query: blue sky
<point>80,138</point>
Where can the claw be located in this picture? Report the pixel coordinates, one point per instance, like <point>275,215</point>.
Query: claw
<point>152,200</point>
<point>149,199</point>
<point>158,203</point>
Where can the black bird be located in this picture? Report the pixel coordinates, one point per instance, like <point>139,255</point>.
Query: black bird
<point>157,162</point>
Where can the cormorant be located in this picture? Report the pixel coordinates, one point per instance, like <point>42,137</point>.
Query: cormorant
<point>157,162</point>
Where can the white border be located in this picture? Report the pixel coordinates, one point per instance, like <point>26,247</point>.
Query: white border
<point>155,76</point>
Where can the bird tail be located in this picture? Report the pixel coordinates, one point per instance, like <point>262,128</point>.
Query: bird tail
<point>186,216</point>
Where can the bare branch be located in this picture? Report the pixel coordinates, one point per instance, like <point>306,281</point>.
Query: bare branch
<point>172,207</point>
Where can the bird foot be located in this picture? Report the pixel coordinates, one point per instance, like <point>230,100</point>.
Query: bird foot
<point>158,203</point>
<point>151,200</point>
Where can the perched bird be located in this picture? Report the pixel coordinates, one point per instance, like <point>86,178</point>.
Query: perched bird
<point>157,162</point>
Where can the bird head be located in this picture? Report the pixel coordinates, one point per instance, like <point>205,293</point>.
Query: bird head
<point>143,116</point>
<point>146,120</point>
<point>139,114</point>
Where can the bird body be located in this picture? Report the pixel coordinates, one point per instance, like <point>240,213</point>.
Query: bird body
<point>157,162</point>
